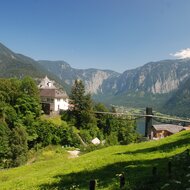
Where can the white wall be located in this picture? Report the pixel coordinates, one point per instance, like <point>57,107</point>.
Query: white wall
<point>60,104</point>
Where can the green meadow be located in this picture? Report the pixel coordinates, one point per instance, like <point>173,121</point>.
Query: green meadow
<point>53,167</point>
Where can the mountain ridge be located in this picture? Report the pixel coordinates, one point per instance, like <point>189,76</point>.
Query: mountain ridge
<point>154,77</point>
<point>153,84</point>
<point>93,78</point>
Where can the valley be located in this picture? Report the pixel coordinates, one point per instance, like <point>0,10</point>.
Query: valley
<point>162,85</point>
<point>95,95</point>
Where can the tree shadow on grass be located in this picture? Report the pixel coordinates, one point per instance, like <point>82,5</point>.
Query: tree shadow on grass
<point>138,176</point>
<point>103,175</point>
<point>138,172</point>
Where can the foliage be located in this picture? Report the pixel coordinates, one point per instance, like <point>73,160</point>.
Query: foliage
<point>82,113</point>
<point>19,114</point>
<point>119,130</point>
<point>19,106</point>
<point>4,144</point>
<point>49,133</point>
<point>104,126</point>
<point>56,119</point>
<point>18,145</point>
<point>23,129</point>
<point>102,119</point>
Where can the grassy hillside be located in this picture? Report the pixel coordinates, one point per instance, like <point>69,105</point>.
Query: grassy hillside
<point>135,160</point>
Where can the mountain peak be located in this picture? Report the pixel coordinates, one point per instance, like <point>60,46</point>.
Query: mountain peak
<point>4,51</point>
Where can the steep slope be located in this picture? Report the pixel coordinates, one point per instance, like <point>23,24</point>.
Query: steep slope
<point>155,77</point>
<point>18,65</point>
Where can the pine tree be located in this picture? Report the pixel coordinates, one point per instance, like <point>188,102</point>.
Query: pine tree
<point>82,114</point>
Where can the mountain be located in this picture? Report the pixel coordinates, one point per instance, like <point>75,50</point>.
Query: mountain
<point>179,103</point>
<point>155,77</point>
<point>18,65</point>
<point>162,84</point>
<point>150,85</point>
<point>93,78</point>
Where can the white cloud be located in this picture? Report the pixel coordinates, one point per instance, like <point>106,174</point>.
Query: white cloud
<point>182,54</point>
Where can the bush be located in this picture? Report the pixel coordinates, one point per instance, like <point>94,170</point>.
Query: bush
<point>18,146</point>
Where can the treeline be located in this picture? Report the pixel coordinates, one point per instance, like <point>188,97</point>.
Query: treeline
<point>22,129</point>
<point>90,124</point>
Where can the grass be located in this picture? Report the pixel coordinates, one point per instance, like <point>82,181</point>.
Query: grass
<point>56,171</point>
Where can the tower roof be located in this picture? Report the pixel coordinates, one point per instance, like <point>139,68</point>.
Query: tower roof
<point>47,89</point>
<point>46,83</point>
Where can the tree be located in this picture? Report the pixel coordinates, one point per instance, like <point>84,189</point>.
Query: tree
<point>127,132</point>
<point>4,144</point>
<point>27,105</point>
<point>9,90</point>
<point>102,118</point>
<point>123,128</point>
<point>19,108</point>
<point>29,87</point>
<point>29,101</point>
<point>18,145</point>
<point>82,114</point>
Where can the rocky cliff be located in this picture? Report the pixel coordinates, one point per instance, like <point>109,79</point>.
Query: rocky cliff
<point>93,78</point>
<point>155,77</point>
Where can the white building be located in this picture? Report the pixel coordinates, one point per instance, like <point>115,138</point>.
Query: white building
<point>52,98</point>
<point>96,141</point>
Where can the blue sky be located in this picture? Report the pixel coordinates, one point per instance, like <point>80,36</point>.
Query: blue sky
<point>105,34</point>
